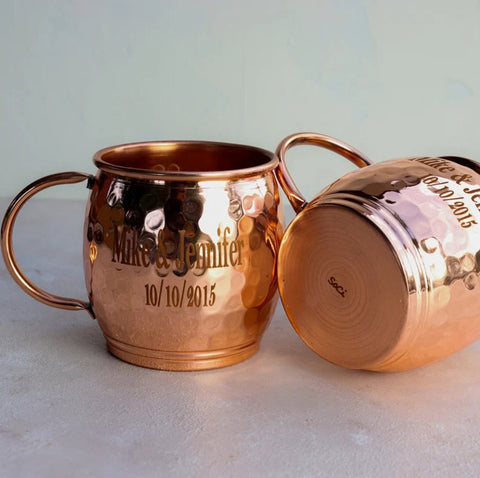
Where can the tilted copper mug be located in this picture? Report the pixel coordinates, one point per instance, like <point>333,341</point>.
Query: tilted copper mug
<point>180,249</point>
<point>381,270</point>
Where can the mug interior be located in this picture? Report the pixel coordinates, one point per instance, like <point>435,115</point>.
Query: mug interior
<point>185,158</point>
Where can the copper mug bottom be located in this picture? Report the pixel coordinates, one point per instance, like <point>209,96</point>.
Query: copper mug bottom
<point>381,270</point>
<point>356,276</point>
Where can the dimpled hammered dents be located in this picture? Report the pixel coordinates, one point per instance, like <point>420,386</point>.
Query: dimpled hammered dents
<point>180,248</point>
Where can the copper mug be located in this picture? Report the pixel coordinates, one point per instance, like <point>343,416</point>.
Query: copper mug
<point>180,249</point>
<point>381,270</point>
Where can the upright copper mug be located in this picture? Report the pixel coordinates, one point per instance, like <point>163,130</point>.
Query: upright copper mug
<point>381,270</point>
<point>180,249</point>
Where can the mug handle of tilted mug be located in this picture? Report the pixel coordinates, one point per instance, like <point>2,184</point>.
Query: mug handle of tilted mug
<point>295,197</point>
<point>7,248</point>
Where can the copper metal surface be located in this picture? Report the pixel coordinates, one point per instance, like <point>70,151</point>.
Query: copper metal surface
<point>381,270</point>
<point>7,247</point>
<point>294,195</point>
<point>180,248</point>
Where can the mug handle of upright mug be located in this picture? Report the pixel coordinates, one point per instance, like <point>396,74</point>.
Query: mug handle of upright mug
<point>7,248</point>
<point>294,195</point>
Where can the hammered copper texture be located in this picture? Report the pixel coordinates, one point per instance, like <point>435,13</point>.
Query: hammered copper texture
<point>181,274</point>
<point>427,209</point>
<point>180,250</point>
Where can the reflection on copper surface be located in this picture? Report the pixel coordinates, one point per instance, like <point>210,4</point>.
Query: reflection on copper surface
<point>200,288</point>
<point>173,278</point>
<point>403,237</point>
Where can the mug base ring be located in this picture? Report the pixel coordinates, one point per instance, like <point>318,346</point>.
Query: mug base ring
<point>180,361</point>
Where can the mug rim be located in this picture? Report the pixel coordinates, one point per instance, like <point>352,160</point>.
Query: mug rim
<point>270,163</point>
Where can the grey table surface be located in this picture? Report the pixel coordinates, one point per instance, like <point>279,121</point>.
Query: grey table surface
<point>68,408</point>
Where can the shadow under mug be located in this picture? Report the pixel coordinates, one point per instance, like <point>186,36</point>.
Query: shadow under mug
<point>180,247</point>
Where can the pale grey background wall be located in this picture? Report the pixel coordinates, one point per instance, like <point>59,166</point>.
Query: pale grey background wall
<point>393,78</point>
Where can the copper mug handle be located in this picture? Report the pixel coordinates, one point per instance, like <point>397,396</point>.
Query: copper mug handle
<point>294,195</point>
<point>7,248</point>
